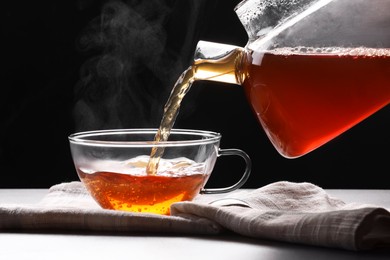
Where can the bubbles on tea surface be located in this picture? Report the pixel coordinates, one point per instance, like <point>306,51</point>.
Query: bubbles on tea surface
<point>137,162</point>
<point>136,166</point>
<point>341,51</point>
<point>371,52</point>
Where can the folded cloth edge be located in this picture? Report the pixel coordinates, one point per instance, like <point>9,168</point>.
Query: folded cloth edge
<point>375,230</point>
<point>330,223</point>
<point>29,219</point>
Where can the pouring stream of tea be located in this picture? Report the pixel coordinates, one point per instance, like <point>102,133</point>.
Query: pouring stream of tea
<point>202,69</point>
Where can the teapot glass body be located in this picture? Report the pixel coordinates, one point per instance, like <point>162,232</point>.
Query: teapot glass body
<point>310,71</point>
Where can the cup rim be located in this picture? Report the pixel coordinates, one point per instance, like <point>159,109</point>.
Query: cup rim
<point>205,137</point>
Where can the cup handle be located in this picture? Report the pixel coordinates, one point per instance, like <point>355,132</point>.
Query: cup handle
<point>244,178</point>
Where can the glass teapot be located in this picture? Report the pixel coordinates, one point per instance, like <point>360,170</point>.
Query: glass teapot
<point>311,69</point>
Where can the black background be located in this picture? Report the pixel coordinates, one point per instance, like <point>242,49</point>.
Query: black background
<point>50,59</point>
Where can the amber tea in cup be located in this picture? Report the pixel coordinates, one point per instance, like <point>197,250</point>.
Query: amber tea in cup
<point>112,165</point>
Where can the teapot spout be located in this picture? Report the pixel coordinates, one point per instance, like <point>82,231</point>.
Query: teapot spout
<point>206,50</point>
<point>220,62</point>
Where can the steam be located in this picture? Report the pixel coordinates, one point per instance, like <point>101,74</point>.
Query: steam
<point>135,63</point>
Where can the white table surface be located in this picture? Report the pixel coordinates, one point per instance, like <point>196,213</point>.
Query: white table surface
<point>15,245</point>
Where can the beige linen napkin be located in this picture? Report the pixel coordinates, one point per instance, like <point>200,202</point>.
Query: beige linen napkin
<point>68,207</point>
<point>284,211</point>
<point>297,212</point>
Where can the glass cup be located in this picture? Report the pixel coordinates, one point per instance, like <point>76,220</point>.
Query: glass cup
<point>112,165</point>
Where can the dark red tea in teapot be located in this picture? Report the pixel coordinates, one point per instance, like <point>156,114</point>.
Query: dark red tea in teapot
<point>303,98</point>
